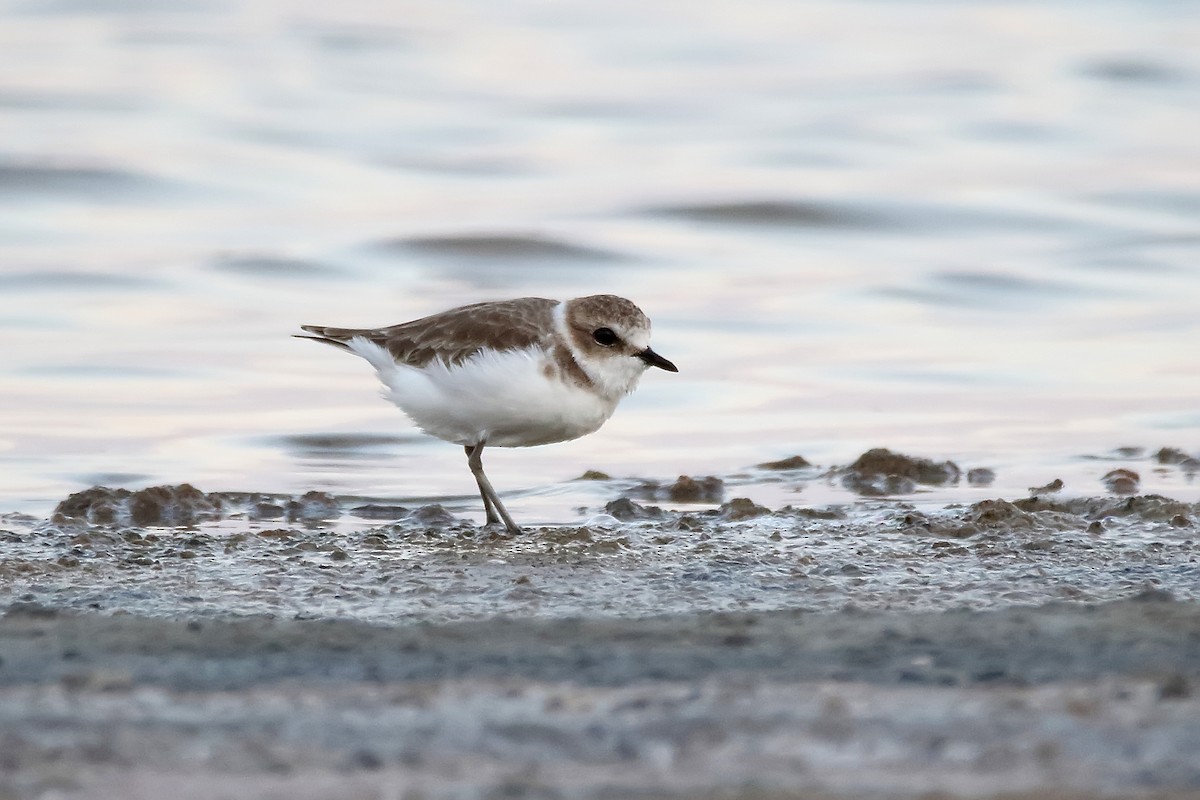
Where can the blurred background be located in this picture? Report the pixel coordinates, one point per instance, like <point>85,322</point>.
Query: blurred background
<point>959,230</point>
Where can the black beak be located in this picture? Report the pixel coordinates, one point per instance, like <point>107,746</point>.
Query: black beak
<point>653,359</point>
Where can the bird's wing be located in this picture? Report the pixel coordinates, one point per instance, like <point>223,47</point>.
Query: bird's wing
<point>455,335</point>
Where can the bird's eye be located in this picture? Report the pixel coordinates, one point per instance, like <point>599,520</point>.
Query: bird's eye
<point>605,337</point>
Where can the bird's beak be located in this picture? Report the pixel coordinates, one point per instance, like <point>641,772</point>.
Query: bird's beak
<point>653,359</point>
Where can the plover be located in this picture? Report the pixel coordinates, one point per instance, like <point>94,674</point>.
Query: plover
<point>510,373</point>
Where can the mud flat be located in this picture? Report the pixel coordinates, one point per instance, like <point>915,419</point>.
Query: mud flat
<point>1056,700</point>
<point>176,642</point>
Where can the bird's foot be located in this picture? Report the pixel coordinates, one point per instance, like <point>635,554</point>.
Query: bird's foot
<point>495,526</point>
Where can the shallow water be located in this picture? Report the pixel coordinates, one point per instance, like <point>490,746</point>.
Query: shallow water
<point>962,231</point>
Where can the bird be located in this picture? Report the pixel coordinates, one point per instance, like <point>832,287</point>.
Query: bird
<point>507,373</point>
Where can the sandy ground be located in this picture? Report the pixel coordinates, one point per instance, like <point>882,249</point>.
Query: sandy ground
<point>175,643</point>
<point>1064,700</point>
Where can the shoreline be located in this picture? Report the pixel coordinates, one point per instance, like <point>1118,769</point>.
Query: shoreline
<point>170,641</point>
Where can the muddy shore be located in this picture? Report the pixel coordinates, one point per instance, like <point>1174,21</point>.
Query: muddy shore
<point>174,642</point>
<point>1095,699</point>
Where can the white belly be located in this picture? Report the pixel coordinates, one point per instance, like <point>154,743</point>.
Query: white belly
<point>503,399</point>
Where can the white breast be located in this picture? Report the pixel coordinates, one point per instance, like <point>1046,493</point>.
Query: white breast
<point>502,398</point>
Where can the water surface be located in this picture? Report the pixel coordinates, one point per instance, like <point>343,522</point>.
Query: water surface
<point>963,231</point>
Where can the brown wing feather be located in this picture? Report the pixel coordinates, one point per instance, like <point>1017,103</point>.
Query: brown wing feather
<point>457,334</point>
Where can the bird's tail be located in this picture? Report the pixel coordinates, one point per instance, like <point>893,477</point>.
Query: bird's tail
<point>320,336</point>
<point>338,337</point>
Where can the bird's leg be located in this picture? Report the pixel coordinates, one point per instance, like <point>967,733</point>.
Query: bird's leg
<point>491,502</point>
<point>488,508</point>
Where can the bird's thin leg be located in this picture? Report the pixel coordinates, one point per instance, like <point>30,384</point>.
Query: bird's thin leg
<point>475,462</point>
<point>488,508</point>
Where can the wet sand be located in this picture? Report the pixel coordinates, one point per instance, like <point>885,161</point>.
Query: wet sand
<point>1058,700</point>
<point>678,644</point>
